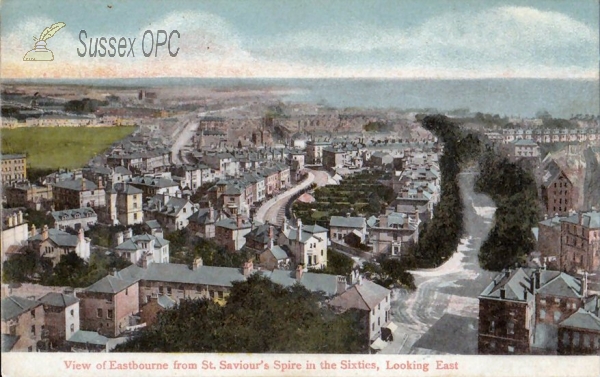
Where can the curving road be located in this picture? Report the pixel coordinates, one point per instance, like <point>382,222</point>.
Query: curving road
<point>450,289</point>
<point>273,210</point>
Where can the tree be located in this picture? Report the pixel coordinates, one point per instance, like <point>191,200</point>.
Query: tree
<point>259,316</point>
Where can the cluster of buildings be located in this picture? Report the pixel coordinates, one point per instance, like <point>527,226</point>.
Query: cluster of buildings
<point>546,135</point>
<point>417,189</point>
<point>538,311</point>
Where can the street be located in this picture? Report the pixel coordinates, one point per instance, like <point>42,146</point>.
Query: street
<point>273,210</point>
<point>440,316</point>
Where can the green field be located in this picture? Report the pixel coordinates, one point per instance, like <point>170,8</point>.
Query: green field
<point>61,147</point>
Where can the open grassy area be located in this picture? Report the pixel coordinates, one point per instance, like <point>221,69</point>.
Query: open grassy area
<point>61,147</point>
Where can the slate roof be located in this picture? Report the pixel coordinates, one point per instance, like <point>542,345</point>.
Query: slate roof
<point>551,172</point>
<point>110,284</point>
<point>363,296</point>
<point>202,216</point>
<point>279,252</point>
<point>132,243</point>
<point>347,222</point>
<point>230,223</point>
<point>261,233</point>
<point>59,300</point>
<point>88,337</point>
<point>8,342</point>
<point>314,229</point>
<point>313,282</point>
<point>582,319</point>
<point>590,219</point>
<point>153,224</point>
<point>76,184</point>
<point>126,189</point>
<point>71,214</point>
<point>515,285</point>
<point>14,306</point>
<point>154,182</point>
<point>181,273</point>
<point>553,221</point>
<point>59,237</point>
<point>562,285</point>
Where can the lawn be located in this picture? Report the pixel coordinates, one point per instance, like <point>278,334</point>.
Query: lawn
<point>61,147</point>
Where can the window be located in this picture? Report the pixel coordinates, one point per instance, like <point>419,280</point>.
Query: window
<point>135,216</point>
<point>510,328</point>
<point>556,316</point>
<point>161,289</point>
<point>30,349</point>
<point>72,328</point>
<point>109,314</point>
<point>575,338</point>
<point>373,327</point>
<point>126,291</point>
<point>492,326</point>
<point>72,312</point>
<point>99,313</point>
<point>511,349</point>
<point>33,313</point>
<point>169,290</point>
<point>542,314</point>
<point>557,300</point>
<point>586,340</point>
<point>33,330</point>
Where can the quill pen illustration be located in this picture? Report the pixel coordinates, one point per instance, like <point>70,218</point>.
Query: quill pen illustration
<point>40,52</point>
<point>50,31</point>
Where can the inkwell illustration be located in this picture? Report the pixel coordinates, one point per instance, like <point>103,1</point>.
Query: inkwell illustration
<point>40,52</point>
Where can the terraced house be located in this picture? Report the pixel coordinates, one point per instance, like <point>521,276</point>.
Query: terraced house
<point>78,193</point>
<point>14,168</point>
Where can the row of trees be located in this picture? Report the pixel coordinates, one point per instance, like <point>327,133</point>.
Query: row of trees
<point>514,191</point>
<point>259,317</point>
<point>439,237</point>
<point>70,271</point>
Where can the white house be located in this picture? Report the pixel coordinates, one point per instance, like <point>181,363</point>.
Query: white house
<point>307,243</point>
<point>155,249</point>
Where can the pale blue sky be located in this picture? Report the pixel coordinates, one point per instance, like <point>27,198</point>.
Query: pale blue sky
<point>434,38</point>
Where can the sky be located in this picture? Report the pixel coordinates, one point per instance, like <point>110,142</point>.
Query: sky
<point>309,38</point>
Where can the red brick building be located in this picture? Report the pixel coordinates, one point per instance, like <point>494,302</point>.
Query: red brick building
<point>580,242</point>
<point>528,311</point>
<point>108,305</point>
<point>22,324</point>
<point>61,317</point>
<point>506,314</point>
<point>558,193</point>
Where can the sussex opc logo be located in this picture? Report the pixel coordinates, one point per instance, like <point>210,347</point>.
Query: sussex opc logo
<point>40,52</point>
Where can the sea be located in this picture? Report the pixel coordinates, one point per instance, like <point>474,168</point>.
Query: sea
<point>561,98</point>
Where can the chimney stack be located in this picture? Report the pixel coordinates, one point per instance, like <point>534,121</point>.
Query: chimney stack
<point>299,272</point>
<point>128,233</point>
<point>584,285</point>
<point>83,186</point>
<point>10,221</point>
<point>119,238</point>
<point>341,284</point>
<point>20,217</point>
<point>80,235</point>
<point>198,262</point>
<point>114,270</point>
<point>45,233</point>
<point>33,230</point>
<point>238,220</point>
<point>299,223</point>
<point>248,268</point>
